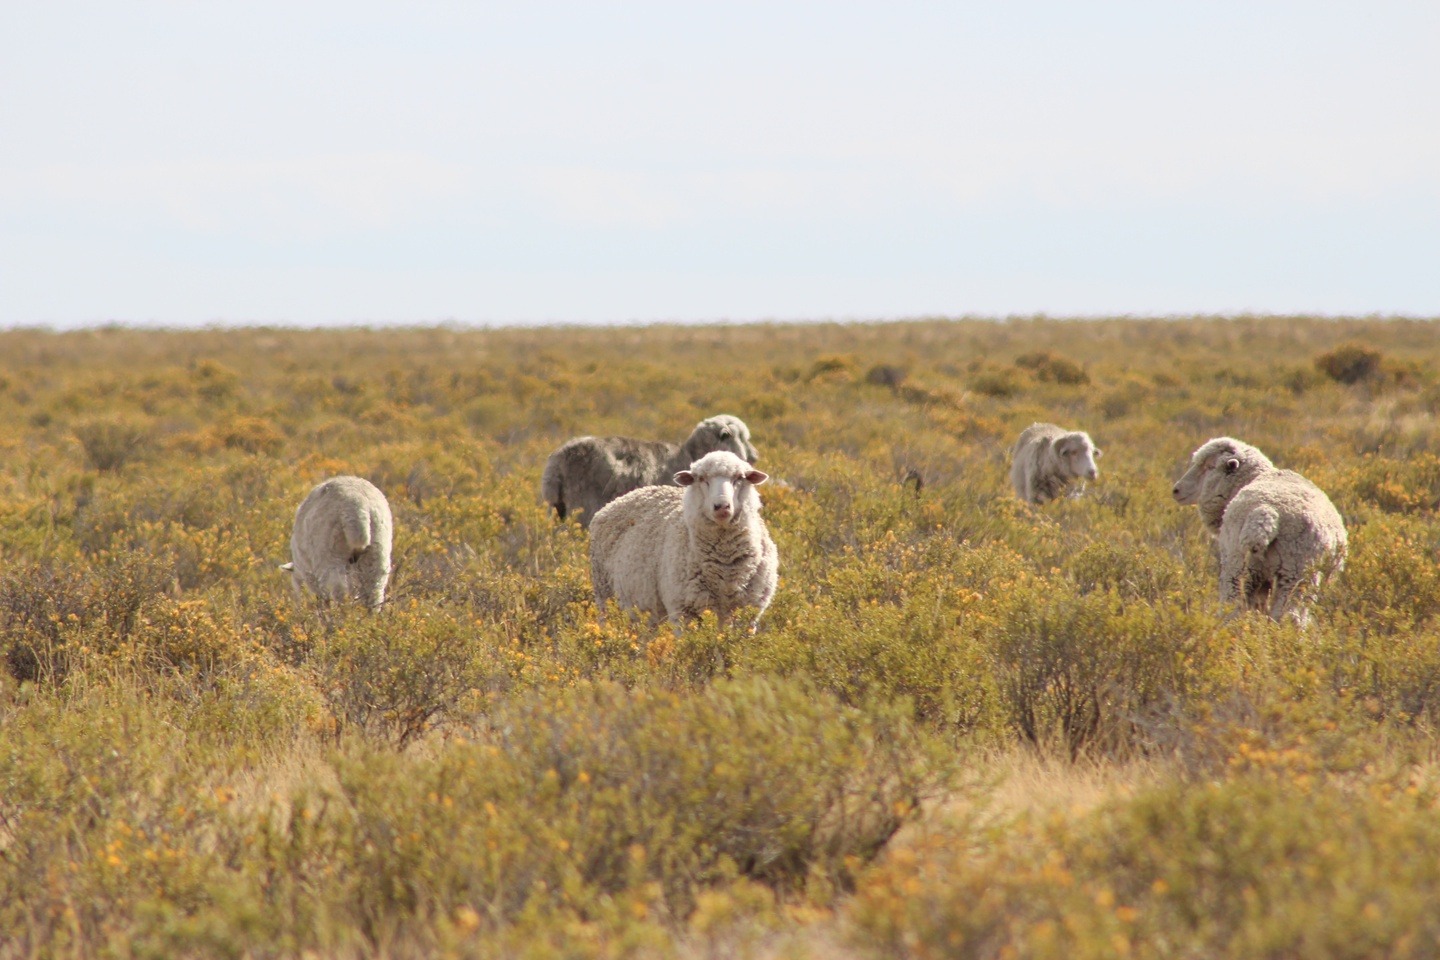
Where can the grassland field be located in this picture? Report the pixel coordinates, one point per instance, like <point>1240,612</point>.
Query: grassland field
<point>966,728</point>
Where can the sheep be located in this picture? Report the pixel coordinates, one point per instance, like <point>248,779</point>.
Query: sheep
<point>1275,530</point>
<point>340,547</point>
<point>1046,459</point>
<point>680,550</point>
<point>588,472</point>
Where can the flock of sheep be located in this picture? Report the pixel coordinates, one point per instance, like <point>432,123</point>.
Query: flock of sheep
<point>675,529</point>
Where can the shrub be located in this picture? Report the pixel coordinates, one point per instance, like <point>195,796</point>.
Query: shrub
<point>1397,486</point>
<point>1000,382</point>
<point>1390,576</point>
<point>645,798</point>
<point>1350,363</point>
<point>1251,868</point>
<point>111,443</point>
<point>1129,567</point>
<point>55,614</point>
<point>394,675</point>
<point>837,367</point>
<point>1094,674</point>
<point>885,375</point>
<point>1049,368</point>
<point>250,434</point>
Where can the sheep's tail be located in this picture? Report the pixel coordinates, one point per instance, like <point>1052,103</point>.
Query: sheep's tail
<point>1262,524</point>
<point>356,524</point>
<point>551,488</point>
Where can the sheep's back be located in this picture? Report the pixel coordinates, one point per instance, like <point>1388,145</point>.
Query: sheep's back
<point>1309,524</point>
<point>638,463</point>
<point>339,517</point>
<point>627,539</point>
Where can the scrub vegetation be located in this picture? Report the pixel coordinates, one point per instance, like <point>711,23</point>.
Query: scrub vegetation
<point>967,727</point>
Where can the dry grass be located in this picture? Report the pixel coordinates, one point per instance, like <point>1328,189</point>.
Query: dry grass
<point>1033,730</point>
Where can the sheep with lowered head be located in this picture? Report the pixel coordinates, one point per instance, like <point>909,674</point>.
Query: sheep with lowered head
<point>678,551</point>
<point>1275,530</point>
<point>340,547</point>
<point>1047,458</point>
<point>588,472</point>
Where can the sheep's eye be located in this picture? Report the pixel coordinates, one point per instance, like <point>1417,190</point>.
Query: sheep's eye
<point>724,434</point>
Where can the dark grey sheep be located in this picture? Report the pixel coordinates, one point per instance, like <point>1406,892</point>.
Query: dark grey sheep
<point>588,472</point>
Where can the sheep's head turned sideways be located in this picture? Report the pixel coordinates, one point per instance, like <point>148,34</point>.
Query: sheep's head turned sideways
<point>720,488</point>
<point>722,432</point>
<point>1079,453</point>
<point>1217,472</point>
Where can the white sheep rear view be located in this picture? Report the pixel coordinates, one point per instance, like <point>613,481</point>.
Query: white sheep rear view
<point>1047,458</point>
<point>678,551</point>
<point>340,547</point>
<point>1277,533</point>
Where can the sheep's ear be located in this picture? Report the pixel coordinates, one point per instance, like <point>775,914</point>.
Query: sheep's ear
<point>756,477</point>
<point>287,566</point>
<point>1099,453</point>
<point>684,478</point>
<point>1232,465</point>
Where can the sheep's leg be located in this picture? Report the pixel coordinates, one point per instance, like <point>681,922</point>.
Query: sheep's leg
<point>1288,597</point>
<point>602,587</point>
<point>1234,571</point>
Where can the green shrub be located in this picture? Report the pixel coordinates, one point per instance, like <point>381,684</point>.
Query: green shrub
<point>1250,868</point>
<point>1397,486</point>
<point>109,444</point>
<point>603,794</point>
<point>999,382</point>
<point>1350,363</point>
<point>56,614</point>
<point>1049,368</point>
<point>394,674</point>
<point>1097,674</point>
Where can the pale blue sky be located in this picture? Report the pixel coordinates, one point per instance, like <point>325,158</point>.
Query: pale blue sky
<point>323,162</point>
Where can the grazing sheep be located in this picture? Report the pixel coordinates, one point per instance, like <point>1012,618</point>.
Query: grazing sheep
<point>588,472</point>
<point>1276,531</point>
<point>681,550</point>
<point>1046,458</point>
<point>340,548</point>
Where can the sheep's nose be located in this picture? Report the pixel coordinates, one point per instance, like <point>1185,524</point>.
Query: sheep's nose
<point>1175,490</point>
<point>722,510</point>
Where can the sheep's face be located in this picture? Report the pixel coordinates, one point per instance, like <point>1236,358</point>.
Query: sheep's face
<point>1078,454</point>
<point>720,488</point>
<point>1209,468</point>
<point>722,433</point>
<point>1217,471</point>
